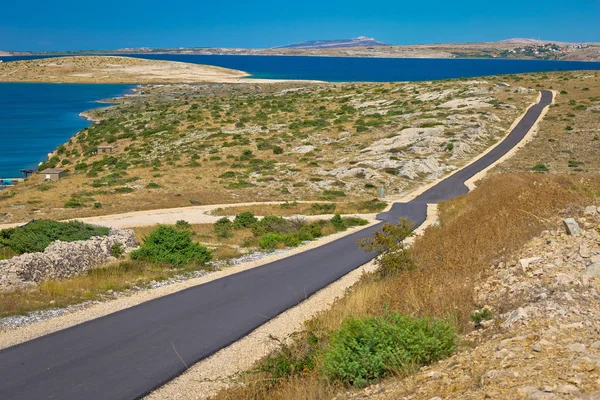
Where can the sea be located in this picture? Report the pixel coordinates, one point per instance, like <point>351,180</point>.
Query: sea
<point>37,117</point>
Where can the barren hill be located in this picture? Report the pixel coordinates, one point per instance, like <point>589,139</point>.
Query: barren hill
<point>109,69</point>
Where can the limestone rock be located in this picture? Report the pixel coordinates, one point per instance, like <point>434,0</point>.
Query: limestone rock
<point>571,226</point>
<point>593,271</point>
<point>62,259</point>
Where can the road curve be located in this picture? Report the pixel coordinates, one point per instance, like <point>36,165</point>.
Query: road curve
<point>127,354</point>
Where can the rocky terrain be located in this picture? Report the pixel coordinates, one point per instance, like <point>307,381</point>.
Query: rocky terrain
<point>63,259</point>
<point>180,145</point>
<point>542,338</point>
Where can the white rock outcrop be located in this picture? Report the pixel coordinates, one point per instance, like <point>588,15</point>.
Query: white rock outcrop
<point>62,259</point>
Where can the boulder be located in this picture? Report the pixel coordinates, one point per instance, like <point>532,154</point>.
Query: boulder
<point>571,226</point>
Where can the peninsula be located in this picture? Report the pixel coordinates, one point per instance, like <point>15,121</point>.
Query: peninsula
<point>114,69</point>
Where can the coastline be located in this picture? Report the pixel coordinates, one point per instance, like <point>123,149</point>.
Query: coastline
<point>32,159</point>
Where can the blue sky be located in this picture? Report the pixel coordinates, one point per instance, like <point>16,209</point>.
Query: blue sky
<point>109,24</point>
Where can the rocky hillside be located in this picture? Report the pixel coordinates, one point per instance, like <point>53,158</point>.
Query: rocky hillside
<point>541,338</point>
<point>177,145</point>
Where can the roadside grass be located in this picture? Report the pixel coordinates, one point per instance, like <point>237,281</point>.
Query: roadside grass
<point>102,283</point>
<point>296,208</point>
<point>96,284</point>
<point>477,230</point>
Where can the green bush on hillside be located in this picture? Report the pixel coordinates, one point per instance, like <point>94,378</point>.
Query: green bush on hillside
<point>223,228</point>
<point>369,348</point>
<point>173,246</point>
<point>244,220</point>
<point>37,235</point>
<point>389,244</point>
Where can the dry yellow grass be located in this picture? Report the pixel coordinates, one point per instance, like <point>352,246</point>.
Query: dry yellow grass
<point>96,284</point>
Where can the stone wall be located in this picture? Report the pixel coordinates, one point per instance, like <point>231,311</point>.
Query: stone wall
<point>62,260</point>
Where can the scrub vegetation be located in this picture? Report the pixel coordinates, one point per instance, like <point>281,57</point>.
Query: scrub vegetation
<point>166,251</point>
<point>37,235</point>
<point>552,175</point>
<point>180,145</point>
<point>432,300</point>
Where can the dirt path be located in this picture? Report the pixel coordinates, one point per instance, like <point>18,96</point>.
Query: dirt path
<point>192,214</point>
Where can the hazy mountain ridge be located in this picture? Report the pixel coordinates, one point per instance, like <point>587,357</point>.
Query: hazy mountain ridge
<point>361,41</point>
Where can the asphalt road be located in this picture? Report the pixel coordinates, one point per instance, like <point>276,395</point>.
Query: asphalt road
<point>127,354</point>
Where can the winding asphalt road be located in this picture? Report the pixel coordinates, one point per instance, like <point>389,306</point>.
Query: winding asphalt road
<point>127,354</point>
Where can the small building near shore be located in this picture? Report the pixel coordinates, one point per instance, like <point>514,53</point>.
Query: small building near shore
<point>105,149</point>
<point>52,174</point>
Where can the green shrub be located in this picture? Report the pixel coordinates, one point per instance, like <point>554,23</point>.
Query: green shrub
<point>277,150</point>
<point>74,203</point>
<point>540,168</point>
<point>223,228</point>
<point>338,222</point>
<point>482,315</point>
<point>366,349</point>
<point>37,235</point>
<point>117,250</point>
<point>152,185</point>
<point>172,246</point>
<point>389,244</point>
<point>244,220</point>
<point>286,362</point>
<point>354,221</point>
<point>270,241</point>
<point>182,224</point>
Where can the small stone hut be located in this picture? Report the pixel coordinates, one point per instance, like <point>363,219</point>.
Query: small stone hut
<point>52,174</point>
<point>105,149</point>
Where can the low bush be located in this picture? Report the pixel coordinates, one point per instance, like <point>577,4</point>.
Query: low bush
<point>338,222</point>
<point>223,228</point>
<point>117,250</point>
<point>270,240</point>
<point>368,348</point>
<point>482,315</point>
<point>388,243</point>
<point>322,208</point>
<point>182,224</point>
<point>172,246</point>
<point>37,235</point>
<point>244,220</point>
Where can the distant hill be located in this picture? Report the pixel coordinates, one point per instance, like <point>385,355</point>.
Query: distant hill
<point>361,41</point>
<point>527,41</point>
<point>4,53</point>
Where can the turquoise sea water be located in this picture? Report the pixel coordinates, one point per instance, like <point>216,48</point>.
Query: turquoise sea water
<point>36,118</point>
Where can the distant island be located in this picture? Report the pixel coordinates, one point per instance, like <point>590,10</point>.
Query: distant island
<point>362,46</point>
